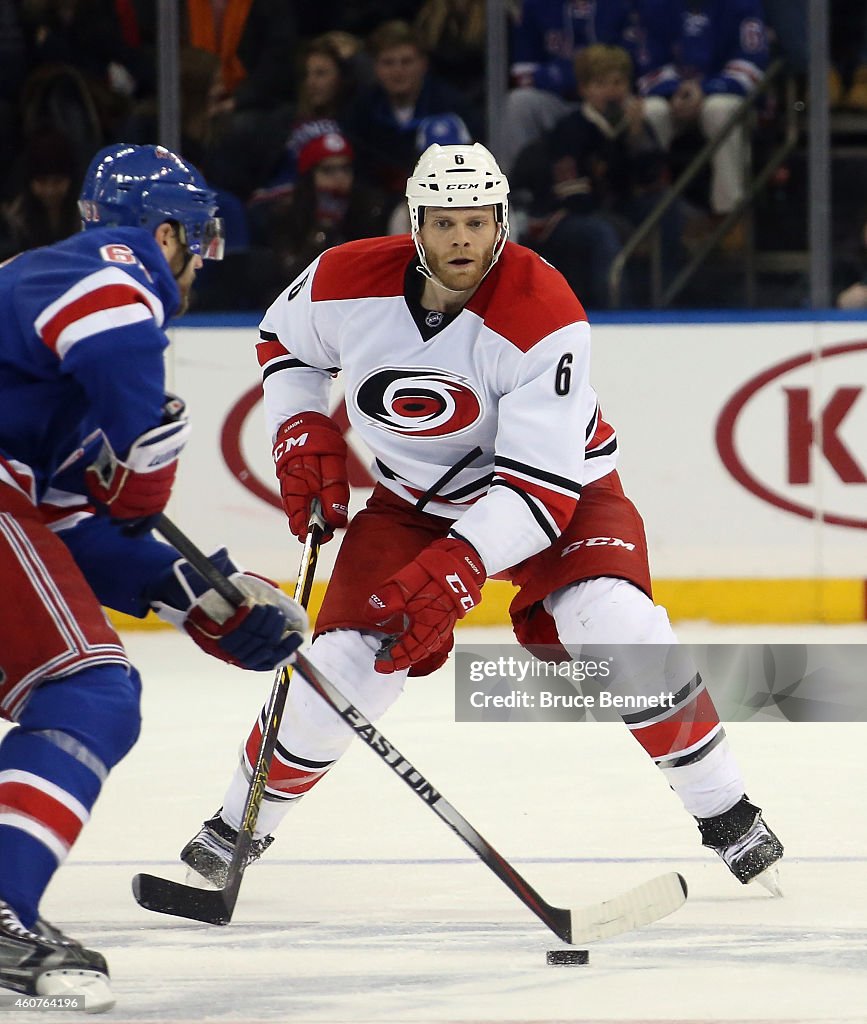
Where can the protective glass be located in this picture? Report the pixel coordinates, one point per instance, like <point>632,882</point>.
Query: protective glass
<point>207,239</point>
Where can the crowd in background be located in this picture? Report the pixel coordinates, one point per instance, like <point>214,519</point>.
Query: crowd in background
<point>308,117</point>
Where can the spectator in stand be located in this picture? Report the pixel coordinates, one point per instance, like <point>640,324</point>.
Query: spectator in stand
<point>786,21</point>
<point>326,85</point>
<point>198,69</point>
<point>607,171</point>
<point>252,38</point>
<point>326,81</point>
<point>46,209</point>
<point>454,35</point>
<point>384,118</point>
<point>246,47</point>
<point>699,59</point>
<point>84,70</point>
<point>546,35</point>
<point>327,208</point>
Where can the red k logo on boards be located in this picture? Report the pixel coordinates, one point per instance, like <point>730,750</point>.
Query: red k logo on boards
<point>807,430</point>
<point>819,423</point>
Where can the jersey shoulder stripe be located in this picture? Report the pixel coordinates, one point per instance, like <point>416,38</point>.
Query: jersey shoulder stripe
<point>365,269</point>
<point>524,299</point>
<point>269,347</point>
<point>101,310</point>
<point>103,292</point>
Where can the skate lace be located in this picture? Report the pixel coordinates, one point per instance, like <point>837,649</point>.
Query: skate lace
<point>11,923</point>
<point>753,837</point>
<point>223,845</point>
<point>213,843</point>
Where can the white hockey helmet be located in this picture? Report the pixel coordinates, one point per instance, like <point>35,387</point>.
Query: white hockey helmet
<point>460,177</point>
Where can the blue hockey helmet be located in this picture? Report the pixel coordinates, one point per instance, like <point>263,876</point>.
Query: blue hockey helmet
<point>145,186</point>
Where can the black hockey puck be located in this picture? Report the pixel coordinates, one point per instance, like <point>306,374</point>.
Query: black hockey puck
<point>567,957</point>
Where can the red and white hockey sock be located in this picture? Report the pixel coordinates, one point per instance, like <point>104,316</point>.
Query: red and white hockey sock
<point>312,737</point>
<point>40,817</point>
<point>688,743</point>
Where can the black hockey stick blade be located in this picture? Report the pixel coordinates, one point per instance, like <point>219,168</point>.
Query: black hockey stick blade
<point>216,906</point>
<point>163,896</point>
<point>641,905</point>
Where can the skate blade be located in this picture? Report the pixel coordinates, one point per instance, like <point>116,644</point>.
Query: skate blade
<point>92,986</point>
<point>770,880</point>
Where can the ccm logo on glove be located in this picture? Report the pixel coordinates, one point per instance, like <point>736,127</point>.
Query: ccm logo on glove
<point>310,462</point>
<point>282,447</point>
<point>420,605</point>
<point>457,585</point>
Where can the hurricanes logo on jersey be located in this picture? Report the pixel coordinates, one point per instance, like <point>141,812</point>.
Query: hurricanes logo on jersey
<point>419,402</point>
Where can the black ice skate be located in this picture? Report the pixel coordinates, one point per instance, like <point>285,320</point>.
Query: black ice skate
<point>748,847</point>
<point>209,852</point>
<point>42,961</point>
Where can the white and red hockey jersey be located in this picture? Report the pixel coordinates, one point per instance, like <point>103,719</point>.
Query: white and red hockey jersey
<point>486,417</point>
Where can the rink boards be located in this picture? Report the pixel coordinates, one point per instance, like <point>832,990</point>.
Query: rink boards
<point>744,445</point>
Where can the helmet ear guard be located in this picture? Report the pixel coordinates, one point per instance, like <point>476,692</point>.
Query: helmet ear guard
<point>461,177</point>
<point>145,186</point>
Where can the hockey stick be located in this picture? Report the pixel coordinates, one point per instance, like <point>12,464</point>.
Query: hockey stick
<point>641,905</point>
<point>215,906</point>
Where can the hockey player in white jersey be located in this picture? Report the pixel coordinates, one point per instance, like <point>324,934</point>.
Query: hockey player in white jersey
<point>466,365</point>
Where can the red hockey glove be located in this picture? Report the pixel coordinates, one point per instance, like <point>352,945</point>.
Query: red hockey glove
<point>138,486</point>
<point>421,603</point>
<point>260,636</point>
<point>310,461</point>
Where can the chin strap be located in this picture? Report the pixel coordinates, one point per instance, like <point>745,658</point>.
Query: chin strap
<point>181,235</point>
<point>426,272</point>
<point>188,259</point>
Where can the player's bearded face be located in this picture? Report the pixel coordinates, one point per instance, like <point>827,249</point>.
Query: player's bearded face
<point>184,269</point>
<point>459,244</point>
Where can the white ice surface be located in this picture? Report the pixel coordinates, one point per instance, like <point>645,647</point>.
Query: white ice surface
<point>368,909</point>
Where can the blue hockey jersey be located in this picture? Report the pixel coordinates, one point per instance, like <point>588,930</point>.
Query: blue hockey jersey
<point>81,345</point>
<point>548,33</point>
<point>721,43</point>
<point>81,350</point>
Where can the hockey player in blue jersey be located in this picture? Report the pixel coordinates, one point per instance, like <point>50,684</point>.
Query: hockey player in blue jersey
<point>89,446</point>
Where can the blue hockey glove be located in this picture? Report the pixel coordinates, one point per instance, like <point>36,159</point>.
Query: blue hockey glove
<point>261,635</point>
